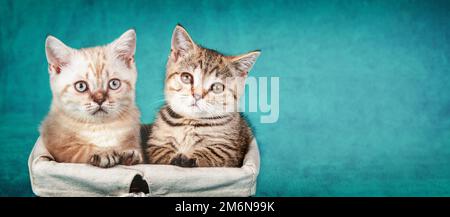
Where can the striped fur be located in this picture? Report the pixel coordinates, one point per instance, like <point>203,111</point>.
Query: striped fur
<point>100,125</point>
<point>198,126</point>
<point>209,142</point>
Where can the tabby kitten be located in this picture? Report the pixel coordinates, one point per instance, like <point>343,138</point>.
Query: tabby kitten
<point>200,125</point>
<point>93,117</point>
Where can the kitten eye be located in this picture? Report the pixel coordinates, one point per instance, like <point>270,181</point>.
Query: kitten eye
<point>217,87</point>
<point>114,84</point>
<point>81,86</point>
<point>186,78</point>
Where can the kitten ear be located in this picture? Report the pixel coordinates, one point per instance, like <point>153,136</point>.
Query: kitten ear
<point>57,53</point>
<point>182,43</point>
<point>124,47</point>
<point>244,63</point>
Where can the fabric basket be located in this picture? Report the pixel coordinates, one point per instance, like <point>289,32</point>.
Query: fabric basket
<point>50,178</point>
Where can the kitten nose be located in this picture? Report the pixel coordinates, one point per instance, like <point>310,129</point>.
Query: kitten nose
<point>197,96</point>
<point>99,97</point>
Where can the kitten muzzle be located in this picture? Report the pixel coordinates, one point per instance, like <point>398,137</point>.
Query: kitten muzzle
<point>100,109</point>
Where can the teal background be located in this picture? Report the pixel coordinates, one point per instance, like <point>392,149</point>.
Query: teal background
<point>364,85</point>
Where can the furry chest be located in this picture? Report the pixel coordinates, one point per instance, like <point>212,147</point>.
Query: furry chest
<point>104,138</point>
<point>185,137</point>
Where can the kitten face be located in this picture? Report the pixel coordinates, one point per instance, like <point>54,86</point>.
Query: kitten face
<point>201,82</point>
<point>93,84</point>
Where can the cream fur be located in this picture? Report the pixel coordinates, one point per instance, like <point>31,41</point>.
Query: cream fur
<point>100,125</point>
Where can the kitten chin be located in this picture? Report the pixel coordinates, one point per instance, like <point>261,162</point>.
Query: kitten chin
<point>93,118</point>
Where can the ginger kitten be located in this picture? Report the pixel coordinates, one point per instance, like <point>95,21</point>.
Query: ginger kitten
<point>200,125</point>
<point>93,117</point>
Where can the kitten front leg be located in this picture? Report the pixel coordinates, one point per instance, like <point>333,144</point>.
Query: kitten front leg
<point>161,150</point>
<point>130,152</point>
<point>182,161</point>
<point>111,158</point>
<point>131,157</point>
<point>72,150</point>
<point>216,155</point>
<point>105,159</point>
<point>202,160</point>
<point>160,154</point>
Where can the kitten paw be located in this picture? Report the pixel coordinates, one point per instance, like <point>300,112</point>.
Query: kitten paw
<point>183,161</point>
<point>105,160</point>
<point>131,157</point>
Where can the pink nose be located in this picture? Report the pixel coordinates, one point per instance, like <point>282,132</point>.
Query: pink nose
<point>99,97</point>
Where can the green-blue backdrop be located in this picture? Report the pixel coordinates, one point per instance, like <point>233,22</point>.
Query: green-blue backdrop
<point>364,85</point>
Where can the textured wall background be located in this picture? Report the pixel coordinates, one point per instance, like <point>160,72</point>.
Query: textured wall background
<point>364,85</point>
